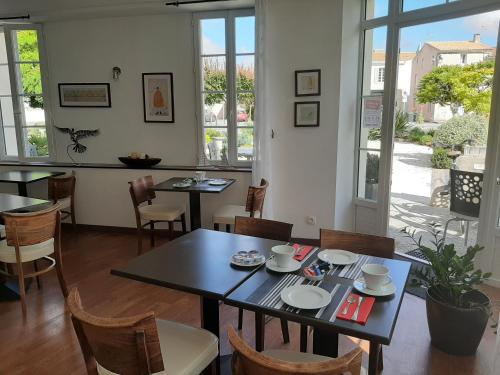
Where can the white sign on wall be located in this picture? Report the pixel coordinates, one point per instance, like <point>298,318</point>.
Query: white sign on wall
<point>372,112</point>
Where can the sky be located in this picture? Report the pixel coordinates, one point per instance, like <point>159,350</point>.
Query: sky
<point>214,37</point>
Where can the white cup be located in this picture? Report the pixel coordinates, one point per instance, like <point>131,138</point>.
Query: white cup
<point>283,255</point>
<point>375,275</point>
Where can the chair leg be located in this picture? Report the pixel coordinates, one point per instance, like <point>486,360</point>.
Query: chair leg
<point>22,288</point>
<point>152,234</point>
<point>381,359</point>
<point>73,218</point>
<point>240,319</point>
<point>183,222</point>
<point>303,338</point>
<point>60,277</point>
<point>216,226</point>
<point>284,331</point>
<point>467,227</point>
<point>38,281</point>
<point>139,241</point>
<point>228,228</point>
<point>170,230</point>
<point>446,227</point>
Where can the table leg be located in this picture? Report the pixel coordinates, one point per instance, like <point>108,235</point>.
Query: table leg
<point>194,210</point>
<point>325,343</point>
<point>374,364</point>
<point>22,189</point>
<point>260,329</point>
<point>210,320</point>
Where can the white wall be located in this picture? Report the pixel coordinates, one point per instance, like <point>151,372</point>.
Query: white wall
<point>304,35</point>
<point>87,50</point>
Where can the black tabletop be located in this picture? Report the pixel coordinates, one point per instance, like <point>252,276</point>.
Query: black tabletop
<point>26,176</point>
<point>9,202</point>
<point>203,187</point>
<point>380,324</point>
<point>198,263</point>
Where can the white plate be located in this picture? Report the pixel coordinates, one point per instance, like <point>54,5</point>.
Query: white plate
<point>294,266</point>
<point>338,257</point>
<point>181,184</point>
<point>217,182</point>
<point>305,297</point>
<point>386,290</point>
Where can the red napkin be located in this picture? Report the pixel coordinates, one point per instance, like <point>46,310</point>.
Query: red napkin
<point>301,251</point>
<point>364,311</point>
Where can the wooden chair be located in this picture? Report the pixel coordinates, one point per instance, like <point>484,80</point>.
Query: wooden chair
<point>272,230</point>
<point>140,344</point>
<point>141,190</point>
<point>62,192</point>
<point>30,237</point>
<point>367,244</point>
<point>253,207</point>
<point>247,361</point>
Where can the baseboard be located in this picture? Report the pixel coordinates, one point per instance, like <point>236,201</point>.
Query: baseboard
<point>494,282</point>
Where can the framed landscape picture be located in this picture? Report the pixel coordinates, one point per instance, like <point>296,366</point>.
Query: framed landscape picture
<point>90,95</point>
<point>308,82</point>
<point>158,94</point>
<point>306,114</point>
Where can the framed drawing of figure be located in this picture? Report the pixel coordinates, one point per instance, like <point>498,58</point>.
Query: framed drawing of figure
<point>158,93</point>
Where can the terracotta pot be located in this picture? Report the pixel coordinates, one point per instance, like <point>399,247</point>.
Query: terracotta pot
<point>456,330</point>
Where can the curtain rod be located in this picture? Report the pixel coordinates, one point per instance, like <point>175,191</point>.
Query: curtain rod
<point>26,17</point>
<point>177,3</point>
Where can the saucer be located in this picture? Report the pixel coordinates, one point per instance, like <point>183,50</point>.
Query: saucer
<point>271,265</point>
<point>338,257</point>
<point>217,182</point>
<point>181,185</point>
<point>386,290</point>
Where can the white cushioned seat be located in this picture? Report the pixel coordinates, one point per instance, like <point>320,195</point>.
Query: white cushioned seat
<point>64,203</point>
<point>28,253</point>
<point>2,231</point>
<point>160,212</point>
<point>226,214</point>
<point>185,350</point>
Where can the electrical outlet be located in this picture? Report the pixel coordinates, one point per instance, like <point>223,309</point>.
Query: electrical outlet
<point>311,220</point>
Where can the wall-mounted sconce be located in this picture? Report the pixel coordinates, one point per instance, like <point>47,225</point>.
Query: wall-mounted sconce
<point>116,73</point>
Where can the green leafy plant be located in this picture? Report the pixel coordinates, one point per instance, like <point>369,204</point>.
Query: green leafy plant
<point>461,129</point>
<point>426,140</point>
<point>415,135</point>
<point>39,139</point>
<point>440,159</point>
<point>372,165</point>
<point>401,124</point>
<point>374,134</point>
<point>420,118</point>
<point>451,277</point>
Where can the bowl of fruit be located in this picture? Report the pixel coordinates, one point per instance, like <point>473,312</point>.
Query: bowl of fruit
<point>138,160</point>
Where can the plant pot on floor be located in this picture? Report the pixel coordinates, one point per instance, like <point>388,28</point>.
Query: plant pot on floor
<point>455,330</point>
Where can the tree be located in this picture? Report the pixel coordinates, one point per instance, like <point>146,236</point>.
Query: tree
<point>457,86</point>
<point>31,78</point>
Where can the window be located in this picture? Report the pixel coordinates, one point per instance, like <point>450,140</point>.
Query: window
<point>380,75</point>
<point>23,105</point>
<point>225,65</point>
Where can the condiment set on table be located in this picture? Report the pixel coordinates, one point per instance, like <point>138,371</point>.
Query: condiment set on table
<point>199,177</point>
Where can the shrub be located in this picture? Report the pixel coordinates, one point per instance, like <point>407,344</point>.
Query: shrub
<point>440,159</point>
<point>372,164</point>
<point>426,140</point>
<point>415,135</point>
<point>401,124</point>
<point>420,118</point>
<point>461,129</point>
<point>374,134</point>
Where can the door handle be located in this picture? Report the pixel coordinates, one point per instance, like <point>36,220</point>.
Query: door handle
<point>498,180</point>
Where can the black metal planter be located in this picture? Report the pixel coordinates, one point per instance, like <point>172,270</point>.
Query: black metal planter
<point>455,330</point>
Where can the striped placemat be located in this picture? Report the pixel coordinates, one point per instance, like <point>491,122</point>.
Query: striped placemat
<point>352,271</point>
<point>269,295</point>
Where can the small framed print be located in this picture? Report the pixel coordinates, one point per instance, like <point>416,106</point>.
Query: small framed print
<point>306,114</point>
<point>308,82</point>
<point>158,94</point>
<point>90,95</point>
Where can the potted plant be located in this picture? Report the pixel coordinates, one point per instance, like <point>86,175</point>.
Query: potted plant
<point>440,177</point>
<point>457,312</point>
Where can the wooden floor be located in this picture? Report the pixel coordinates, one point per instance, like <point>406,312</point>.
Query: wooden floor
<point>45,342</point>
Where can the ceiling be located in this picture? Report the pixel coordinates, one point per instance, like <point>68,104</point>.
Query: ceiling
<point>71,9</point>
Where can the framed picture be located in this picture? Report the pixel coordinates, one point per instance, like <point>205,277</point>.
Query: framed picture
<point>306,114</point>
<point>158,94</point>
<point>308,82</point>
<point>90,95</point>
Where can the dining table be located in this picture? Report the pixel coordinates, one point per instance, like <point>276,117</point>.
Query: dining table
<point>195,189</point>
<point>9,289</point>
<point>198,263</point>
<point>24,177</point>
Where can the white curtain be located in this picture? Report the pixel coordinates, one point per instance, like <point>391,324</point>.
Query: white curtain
<point>262,163</point>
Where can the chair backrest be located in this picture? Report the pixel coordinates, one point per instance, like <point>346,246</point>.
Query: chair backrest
<point>141,190</point>
<point>367,244</point>
<point>270,229</point>
<point>23,229</point>
<point>255,198</point>
<point>126,346</point>
<point>61,187</point>
<point>246,361</point>
<point>466,190</point>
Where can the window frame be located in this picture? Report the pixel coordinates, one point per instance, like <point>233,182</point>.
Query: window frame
<point>15,82</point>
<point>231,75</point>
